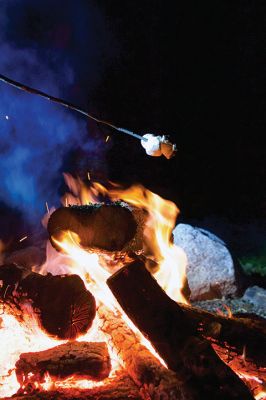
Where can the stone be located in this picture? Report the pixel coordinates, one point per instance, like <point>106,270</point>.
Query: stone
<point>256,296</point>
<point>210,266</point>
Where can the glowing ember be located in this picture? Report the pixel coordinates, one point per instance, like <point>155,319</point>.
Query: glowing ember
<point>18,338</point>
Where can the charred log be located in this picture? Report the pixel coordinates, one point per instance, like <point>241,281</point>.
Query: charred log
<point>242,335</point>
<point>253,375</point>
<point>154,380</point>
<point>62,305</point>
<point>168,328</point>
<point>111,227</point>
<point>81,359</point>
<point>119,388</point>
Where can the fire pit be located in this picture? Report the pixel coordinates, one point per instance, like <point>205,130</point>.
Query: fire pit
<point>105,316</point>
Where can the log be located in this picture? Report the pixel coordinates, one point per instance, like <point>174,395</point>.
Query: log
<point>87,360</point>
<point>119,388</point>
<point>237,334</point>
<point>167,327</point>
<point>153,379</point>
<point>113,227</point>
<point>254,376</point>
<point>61,304</point>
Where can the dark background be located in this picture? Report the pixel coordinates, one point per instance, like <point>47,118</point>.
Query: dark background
<point>194,70</point>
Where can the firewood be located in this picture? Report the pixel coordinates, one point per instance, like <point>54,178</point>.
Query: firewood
<point>168,328</point>
<point>62,305</point>
<point>82,359</point>
<point>110,227</point>
<point>119,388</point>
<point>253,375</point>
<point>154,380</point>
<point>240,334</point>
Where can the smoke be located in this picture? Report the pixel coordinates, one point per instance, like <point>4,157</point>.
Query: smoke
<point>46,46</point>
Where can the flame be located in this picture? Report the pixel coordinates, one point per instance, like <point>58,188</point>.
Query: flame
<point>18,338</point>
<point>170,274</point>
<point>87,266</point>
<point>162,214</point>
<point>161,219</point>
<point>261,395</point>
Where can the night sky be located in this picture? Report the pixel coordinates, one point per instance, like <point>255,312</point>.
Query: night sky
<point>193,70</point>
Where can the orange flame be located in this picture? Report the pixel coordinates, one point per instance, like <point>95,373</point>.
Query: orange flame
<point>161,220</point>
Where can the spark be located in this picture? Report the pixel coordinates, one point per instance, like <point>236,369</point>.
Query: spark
<point>7,117</point>
<point>107,138</point>
<point>47,207</point>
<point>89,177</point>
<point>23,238</point>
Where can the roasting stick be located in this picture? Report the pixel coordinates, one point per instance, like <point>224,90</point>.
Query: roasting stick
<point>153,145</point>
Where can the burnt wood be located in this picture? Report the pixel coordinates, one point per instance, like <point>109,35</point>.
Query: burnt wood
<point>106,227</point>
<point>153,379</point>
<point>61,304</point>
<point>84,360</point>
<point>168,328</point>
<point>245,336</point>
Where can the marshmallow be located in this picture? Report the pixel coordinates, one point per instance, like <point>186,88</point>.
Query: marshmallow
<point>158,145</point>
<point>152,145</point>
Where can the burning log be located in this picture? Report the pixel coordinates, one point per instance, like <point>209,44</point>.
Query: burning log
<point>111,227</point>
<point>81,359</point>
<point>240,334</point>
<point>153,379</point>
<point>119,388</point>
<point>62,305</point>
<point>168,328</point>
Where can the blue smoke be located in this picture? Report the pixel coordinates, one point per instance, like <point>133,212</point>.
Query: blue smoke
<point>37,135</point>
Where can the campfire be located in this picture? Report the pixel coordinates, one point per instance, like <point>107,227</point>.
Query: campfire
<point>106,315</point>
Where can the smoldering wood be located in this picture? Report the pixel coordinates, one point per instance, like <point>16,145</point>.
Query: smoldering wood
<point>168,328</point>
<point>154,380</point>
<point>61,304</point>
<point>112,227</point>
<point>87,360</point>
<point>253,375</point>
<point>120,387</point>
<point>244,336</point>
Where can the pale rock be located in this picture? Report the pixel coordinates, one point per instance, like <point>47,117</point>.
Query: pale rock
<point>257,296</point>
<point>210,268</point>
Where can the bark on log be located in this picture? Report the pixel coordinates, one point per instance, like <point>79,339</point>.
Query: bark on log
<point>168,328</point>
<point>240,334</point>
<point>114,227</point>
<point>155,381</point>
<point>62,305</point>
<point>82,359</point>
<point>119,388</point>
